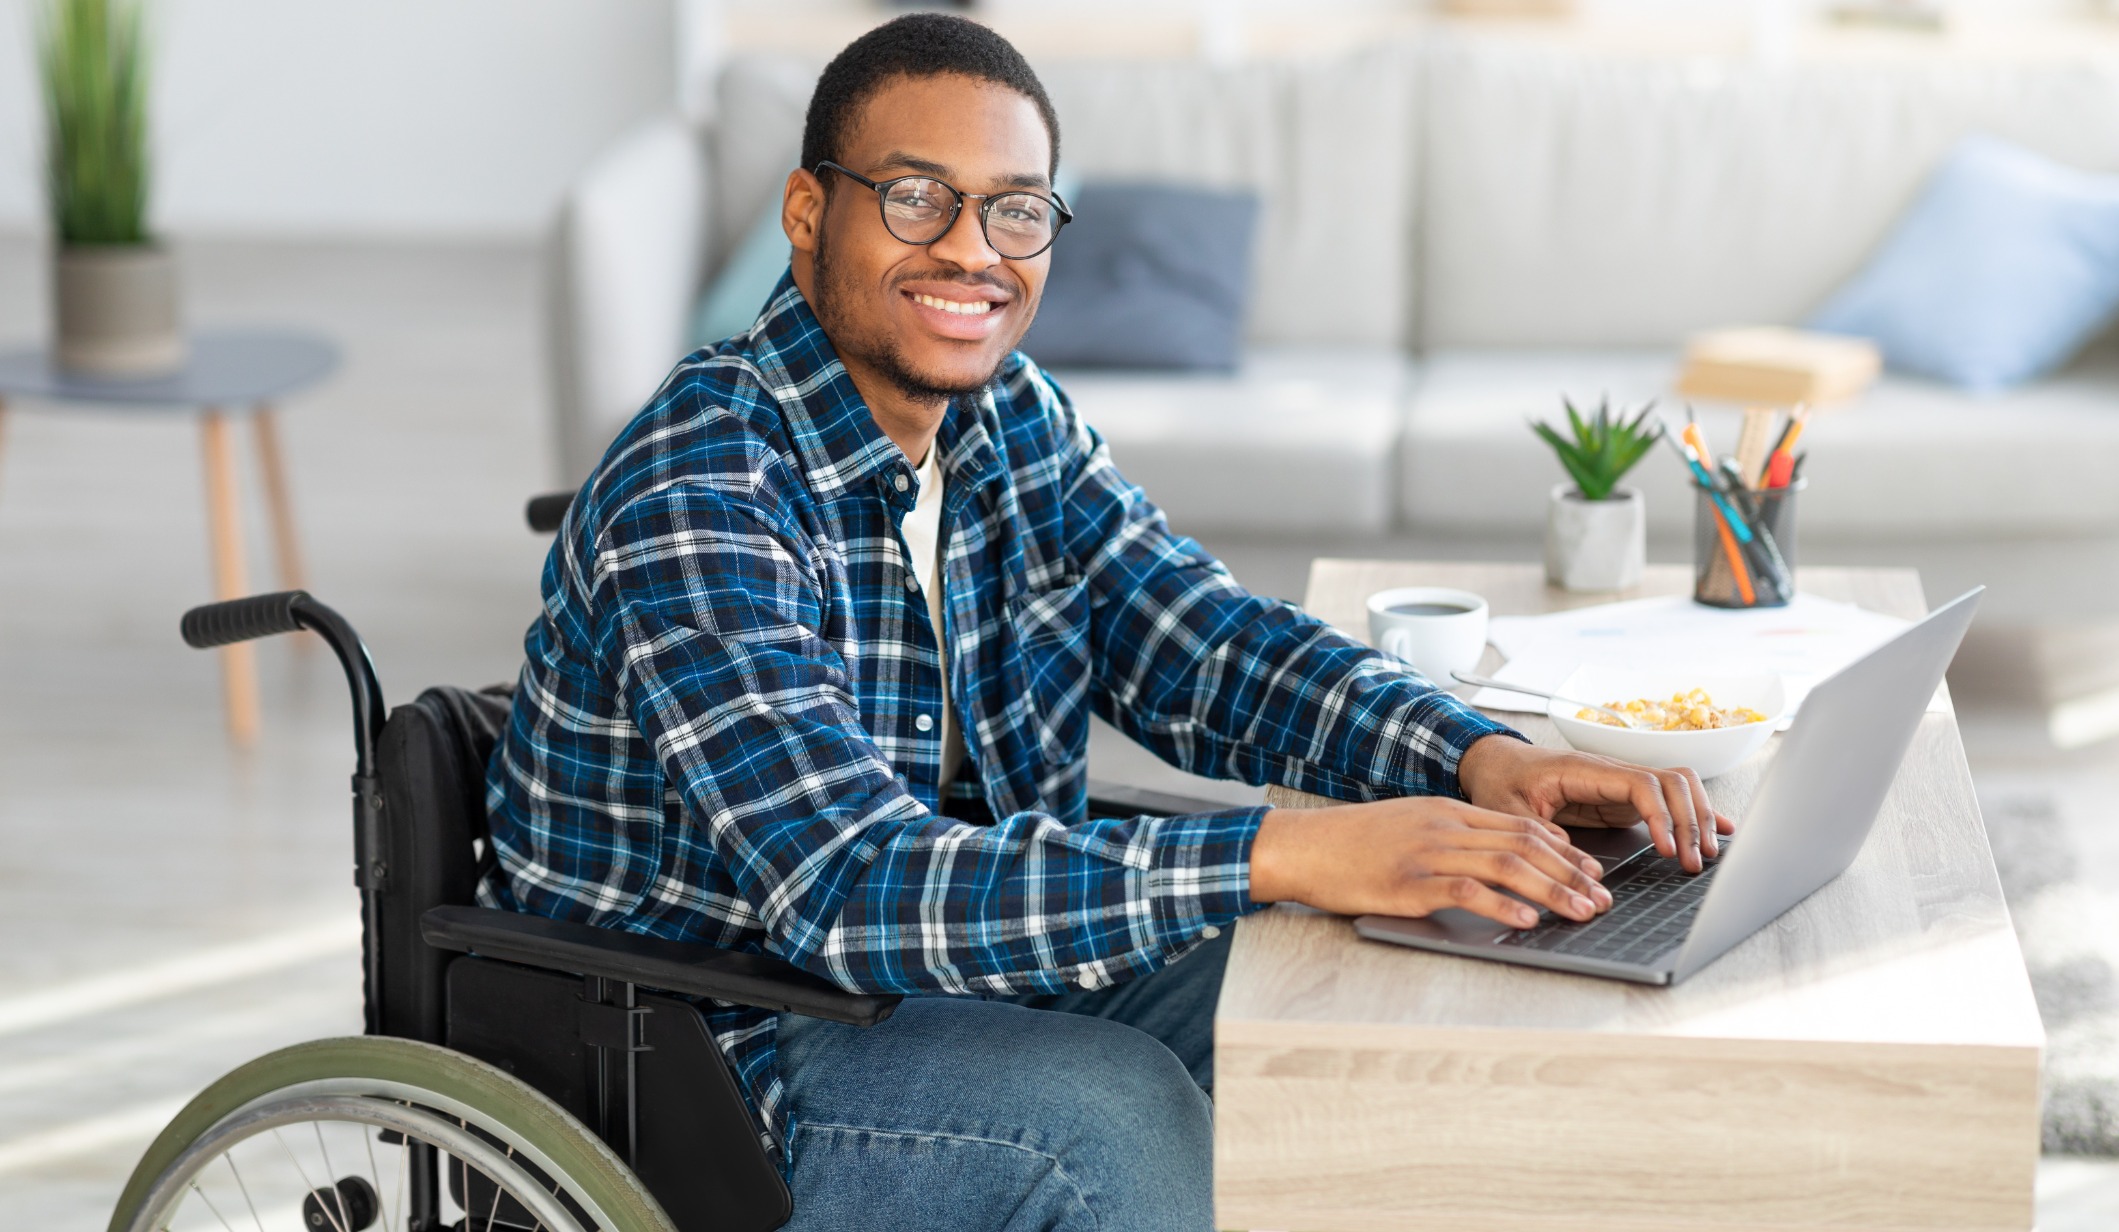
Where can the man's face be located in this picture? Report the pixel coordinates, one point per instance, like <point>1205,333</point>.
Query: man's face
<point>899,310</point>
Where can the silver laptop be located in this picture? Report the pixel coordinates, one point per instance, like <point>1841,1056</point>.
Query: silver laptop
<point>1813,811</point>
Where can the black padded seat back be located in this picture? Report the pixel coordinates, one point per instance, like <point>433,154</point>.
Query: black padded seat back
<point>432,763</point>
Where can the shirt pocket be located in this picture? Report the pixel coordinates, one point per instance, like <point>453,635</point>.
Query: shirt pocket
<point>1052,633</point>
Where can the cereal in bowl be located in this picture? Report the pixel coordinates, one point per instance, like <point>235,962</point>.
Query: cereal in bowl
<point>1694,711</point>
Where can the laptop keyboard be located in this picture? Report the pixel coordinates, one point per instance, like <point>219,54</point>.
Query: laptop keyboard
<point>1653,900</point>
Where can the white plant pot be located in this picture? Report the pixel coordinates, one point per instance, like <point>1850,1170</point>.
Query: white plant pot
<point>116,310</point>
<point>1595,545</point>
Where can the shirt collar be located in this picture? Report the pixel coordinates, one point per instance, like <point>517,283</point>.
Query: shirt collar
<point>842,447</point>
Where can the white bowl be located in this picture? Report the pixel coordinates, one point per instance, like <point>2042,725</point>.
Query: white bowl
<point>1708,753</point>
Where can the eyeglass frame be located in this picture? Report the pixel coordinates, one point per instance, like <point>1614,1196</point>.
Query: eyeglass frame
<point>985,201</point>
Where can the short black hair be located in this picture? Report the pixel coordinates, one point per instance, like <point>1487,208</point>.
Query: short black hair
<point>915,45</point>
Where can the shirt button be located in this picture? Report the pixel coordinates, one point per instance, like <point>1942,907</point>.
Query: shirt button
<point>1091,980</point>
<point>901,482</point>
<point>911,582</point>
<point>925,723</point>
<point>1210,932</point>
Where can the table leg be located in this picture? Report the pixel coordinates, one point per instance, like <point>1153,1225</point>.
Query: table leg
<point>286,546</point>
<point>239,673</point>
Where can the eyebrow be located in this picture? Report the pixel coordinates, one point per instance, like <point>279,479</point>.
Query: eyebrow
<point>927,166</point>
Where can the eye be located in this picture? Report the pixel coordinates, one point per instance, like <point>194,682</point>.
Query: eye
<point>1021,211</point>
<point>917,196</point>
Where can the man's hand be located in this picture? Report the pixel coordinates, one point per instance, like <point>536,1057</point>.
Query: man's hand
<point>1418,855</point>
<point>1582,789</point>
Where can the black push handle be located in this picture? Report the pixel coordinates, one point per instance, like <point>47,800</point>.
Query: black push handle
<point>243,620</point>
<point>545,513</point>
<point>286,611</point>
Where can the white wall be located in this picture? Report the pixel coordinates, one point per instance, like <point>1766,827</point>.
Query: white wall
<point>364,117</point>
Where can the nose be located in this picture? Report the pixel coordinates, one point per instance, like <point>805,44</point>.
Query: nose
<point>964,244</point>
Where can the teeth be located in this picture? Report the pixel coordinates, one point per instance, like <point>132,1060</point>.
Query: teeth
<point>976,308</point>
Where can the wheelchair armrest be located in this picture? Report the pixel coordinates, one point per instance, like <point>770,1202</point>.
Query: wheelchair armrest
<point>1108,799</point>
<point>677,966</point>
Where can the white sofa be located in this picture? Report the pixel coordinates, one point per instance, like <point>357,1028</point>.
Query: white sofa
<point>1456,230</point>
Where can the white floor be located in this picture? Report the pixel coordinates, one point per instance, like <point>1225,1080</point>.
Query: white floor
<point>170,908</point>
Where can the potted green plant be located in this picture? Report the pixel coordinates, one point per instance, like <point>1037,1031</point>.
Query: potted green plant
<point>1596,532</point>
<point>114,288</point>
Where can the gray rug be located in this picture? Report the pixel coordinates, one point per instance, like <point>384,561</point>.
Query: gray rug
<point>2070,936</point>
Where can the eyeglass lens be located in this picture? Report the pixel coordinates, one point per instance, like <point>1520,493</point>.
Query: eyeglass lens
<point>1018,225</point>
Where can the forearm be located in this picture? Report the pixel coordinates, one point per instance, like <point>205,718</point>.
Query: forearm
<point>1026,905</point>
<point>1283,698</point>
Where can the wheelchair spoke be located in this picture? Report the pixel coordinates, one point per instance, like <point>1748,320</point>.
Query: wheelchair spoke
<point>308,1184</point>
<point>330,1173</point>
<point>397,1204</point>
<point>368,1143</point>
<point>229,1159</point>
<point>210,1206</point>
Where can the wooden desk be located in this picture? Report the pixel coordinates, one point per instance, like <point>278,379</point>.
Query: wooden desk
<point>1869,1060</point>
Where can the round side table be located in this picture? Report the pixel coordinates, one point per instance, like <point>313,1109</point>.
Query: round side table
<point>228,373</point>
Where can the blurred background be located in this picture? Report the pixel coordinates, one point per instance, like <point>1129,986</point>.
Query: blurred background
<point>462,242</point>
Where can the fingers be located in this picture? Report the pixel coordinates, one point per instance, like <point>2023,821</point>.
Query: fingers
<point>1473,895</point>
<point>1508,823</point>
<point>1710,822</point>
<point>1560,863</point>
<point>1518,873</point>
<point>1664,800</point>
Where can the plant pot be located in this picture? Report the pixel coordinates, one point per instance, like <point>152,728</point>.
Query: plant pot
<point>1595,545</point>
<point>116,310</point>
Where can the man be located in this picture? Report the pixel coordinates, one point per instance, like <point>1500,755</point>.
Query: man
<point>820,641</point>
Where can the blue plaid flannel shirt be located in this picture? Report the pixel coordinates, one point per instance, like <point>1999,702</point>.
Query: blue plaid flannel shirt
<point>725,731</point>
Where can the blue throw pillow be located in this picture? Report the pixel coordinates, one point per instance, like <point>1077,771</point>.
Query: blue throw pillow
<point>1148,276</point>
<point>732,303</point>
<point>2006,264</point>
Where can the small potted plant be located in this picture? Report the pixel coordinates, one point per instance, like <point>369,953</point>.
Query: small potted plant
<point>1596,532</point>
<point>114,289</point>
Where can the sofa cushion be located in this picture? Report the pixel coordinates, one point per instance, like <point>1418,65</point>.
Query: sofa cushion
<point>1152,276</point>
<point>1328,143</point>
<point>1912,459</point>
<point>1580,198</point>
<point>1297,439</point>
<point>2005,265</point>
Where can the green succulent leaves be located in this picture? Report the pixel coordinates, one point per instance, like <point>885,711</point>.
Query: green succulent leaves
<point>1605,446</point>
<point>95,100</point>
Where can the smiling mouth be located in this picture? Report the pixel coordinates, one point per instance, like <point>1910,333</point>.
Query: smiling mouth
<point>963,308</point>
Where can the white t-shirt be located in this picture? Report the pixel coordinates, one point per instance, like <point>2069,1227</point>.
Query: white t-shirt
<point>923,528</point>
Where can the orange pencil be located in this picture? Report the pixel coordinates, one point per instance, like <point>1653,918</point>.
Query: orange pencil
<point>1694,438</point>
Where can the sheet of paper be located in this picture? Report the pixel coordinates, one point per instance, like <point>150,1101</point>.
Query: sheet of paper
<point>1805,642</point>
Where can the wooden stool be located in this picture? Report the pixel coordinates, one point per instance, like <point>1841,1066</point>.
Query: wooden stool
<point>226,373</point>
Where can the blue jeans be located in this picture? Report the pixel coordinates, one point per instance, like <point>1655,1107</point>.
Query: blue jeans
<point>1071,1111</point>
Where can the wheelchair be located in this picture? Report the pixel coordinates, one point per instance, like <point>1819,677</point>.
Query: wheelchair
<point>515,1073</point>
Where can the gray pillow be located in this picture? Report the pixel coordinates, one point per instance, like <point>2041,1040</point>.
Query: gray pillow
<point>1148,276</point>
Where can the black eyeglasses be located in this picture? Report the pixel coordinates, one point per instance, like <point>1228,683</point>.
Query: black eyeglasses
<point>919,209</point>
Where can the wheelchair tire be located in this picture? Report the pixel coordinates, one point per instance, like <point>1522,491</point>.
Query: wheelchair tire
<point>469,1110</point>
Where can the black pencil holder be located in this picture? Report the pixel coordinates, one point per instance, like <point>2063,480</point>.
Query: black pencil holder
<point>1768,561</point>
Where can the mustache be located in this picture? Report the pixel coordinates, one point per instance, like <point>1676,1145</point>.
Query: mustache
<point>963,278</point>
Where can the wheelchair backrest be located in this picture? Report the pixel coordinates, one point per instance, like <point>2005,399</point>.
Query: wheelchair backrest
<point>432,763</point>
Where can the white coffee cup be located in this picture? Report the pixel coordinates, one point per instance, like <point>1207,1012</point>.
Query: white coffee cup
<point>1450,636</point>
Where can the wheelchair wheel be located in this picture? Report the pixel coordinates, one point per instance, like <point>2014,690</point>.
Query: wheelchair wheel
<point>331,1136</point>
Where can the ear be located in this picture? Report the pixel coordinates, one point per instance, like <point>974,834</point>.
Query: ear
<point>802,210</point>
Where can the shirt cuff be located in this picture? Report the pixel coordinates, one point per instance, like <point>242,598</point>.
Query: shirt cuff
<point>1201,877</point>
<point>1442,729</point>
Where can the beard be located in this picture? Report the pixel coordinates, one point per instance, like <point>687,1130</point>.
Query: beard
<point>876,347</point>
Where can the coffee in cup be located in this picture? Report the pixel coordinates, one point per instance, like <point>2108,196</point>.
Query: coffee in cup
<point>1435,629</point>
